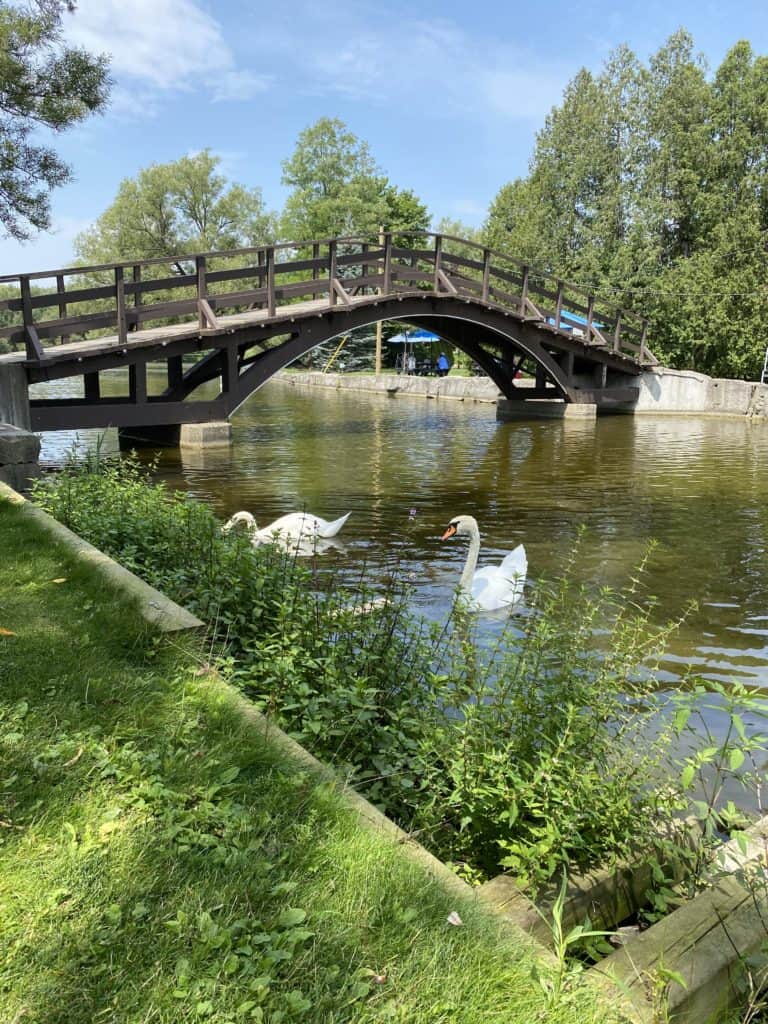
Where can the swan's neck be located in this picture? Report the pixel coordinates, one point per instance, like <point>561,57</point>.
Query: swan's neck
<point>465,583</point>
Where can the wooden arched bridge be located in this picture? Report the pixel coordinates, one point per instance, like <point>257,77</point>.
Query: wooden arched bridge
<point>242,315</point>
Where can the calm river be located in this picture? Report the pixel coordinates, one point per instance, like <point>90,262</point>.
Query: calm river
<point>696,486</point>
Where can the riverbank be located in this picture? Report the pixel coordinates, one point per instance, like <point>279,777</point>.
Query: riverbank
<point>660,391</point>
<point>161,859</point>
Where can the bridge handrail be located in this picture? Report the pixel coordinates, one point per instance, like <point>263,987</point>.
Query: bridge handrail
<point>373,255</point>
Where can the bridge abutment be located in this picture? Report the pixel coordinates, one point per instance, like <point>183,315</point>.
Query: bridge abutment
<point>14,397</point>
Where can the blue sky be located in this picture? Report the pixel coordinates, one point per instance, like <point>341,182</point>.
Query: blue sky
<point>448,96</point>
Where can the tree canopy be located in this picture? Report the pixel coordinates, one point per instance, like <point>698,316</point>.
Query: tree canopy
<point>337,188</point>
<point>175,208</point>
<point>42,83</point>
<point>650,183</point>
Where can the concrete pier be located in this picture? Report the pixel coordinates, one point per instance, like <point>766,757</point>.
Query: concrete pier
<point>19,451</point>
<point>216,434</point>
<point>550,409</point>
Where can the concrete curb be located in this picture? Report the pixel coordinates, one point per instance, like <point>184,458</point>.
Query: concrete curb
<point>155,607</point>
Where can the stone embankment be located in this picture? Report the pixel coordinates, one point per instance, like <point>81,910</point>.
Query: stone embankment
<point>684,391</point>
<point>661,390</point>
<point>470,389</point>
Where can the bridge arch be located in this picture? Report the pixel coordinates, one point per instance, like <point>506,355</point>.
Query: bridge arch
<point>475,330</point>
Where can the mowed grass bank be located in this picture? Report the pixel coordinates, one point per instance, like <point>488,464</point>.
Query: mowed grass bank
<point>159,863</point>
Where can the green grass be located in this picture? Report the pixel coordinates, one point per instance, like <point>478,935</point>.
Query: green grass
<point>159,863</point>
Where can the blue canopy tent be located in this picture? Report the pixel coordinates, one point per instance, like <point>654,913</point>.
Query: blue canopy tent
<point>409,338</point>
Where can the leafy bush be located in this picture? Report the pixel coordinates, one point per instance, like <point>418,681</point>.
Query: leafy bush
<point>544,749</point>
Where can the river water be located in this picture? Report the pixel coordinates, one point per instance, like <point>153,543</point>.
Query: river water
<point>698,487</point>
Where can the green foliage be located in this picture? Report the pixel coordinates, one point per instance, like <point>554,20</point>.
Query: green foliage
<point>648,183</point>
<point>175,208</point>
<point>536,753</point>
<point>42,82</point>
<point>339,190</point>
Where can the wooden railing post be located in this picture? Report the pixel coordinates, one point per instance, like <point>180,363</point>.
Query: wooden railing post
<point>386,287</point>
<point>617,333</point>
<point>315,268</point>
<point>61,291</point>
<point>524,292</point>
<point>136,292</point>
<point>364,266</point>
<point>331,272</point>
<point>559,304</point>
<point>122,325</point>
<point>269,256</point>
<point>438,260</point>
<point>590,316</point>
<point>641,353</point>
<point>202,289</point>
<point>486,275</point>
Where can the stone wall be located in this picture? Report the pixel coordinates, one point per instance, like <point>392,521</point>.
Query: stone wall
<point>683,391</point>
<point>19,451</point>
<point>471,389</point>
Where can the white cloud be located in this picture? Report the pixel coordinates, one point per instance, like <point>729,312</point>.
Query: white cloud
<point>162,45</point>
<point>239,85</point>
<point>418,60</point>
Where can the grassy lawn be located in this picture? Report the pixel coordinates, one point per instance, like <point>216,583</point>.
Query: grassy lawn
<point>159,863</point>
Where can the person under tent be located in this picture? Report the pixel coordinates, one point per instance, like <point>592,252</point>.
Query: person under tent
<point>443,365</point>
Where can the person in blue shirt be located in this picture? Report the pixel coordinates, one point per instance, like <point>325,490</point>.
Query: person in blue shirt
<point>443,366</point>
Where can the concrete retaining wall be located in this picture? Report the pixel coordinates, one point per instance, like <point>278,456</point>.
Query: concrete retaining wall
<point>19,451</point>
<point>683,391</point>
<point>471,389</point>
<point>661,390</point>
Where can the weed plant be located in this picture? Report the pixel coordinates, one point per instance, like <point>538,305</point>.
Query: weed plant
<point>552,748</point>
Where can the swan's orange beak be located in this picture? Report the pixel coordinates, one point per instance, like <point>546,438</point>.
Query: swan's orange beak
<point>449,532</point>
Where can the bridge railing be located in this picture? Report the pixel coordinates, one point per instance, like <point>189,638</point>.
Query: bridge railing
<point>88,301</point>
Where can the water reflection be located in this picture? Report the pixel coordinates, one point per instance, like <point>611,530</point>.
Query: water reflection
<point>695,486</point>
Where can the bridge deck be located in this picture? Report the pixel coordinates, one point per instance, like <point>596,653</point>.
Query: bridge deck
<point>150,337</point>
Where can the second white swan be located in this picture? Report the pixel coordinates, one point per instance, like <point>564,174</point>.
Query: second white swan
<point>493,586</point>
<point>295,526</point>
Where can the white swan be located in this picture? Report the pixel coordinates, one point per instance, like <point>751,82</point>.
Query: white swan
<point>495,586</point>
<point>296,526</point>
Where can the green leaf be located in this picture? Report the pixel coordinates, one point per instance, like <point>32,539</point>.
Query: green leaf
<point>736,760</point>
<point>291,916</point>
<point>681,718</point>
<point>686,777</point>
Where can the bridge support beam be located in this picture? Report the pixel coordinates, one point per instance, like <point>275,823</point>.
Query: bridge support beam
<point>550,409</point>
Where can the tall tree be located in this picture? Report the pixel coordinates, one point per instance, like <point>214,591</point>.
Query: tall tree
<point>175,208</point>
<point>337,189</point>
<point>648,183</point>
<point>42,83</point>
